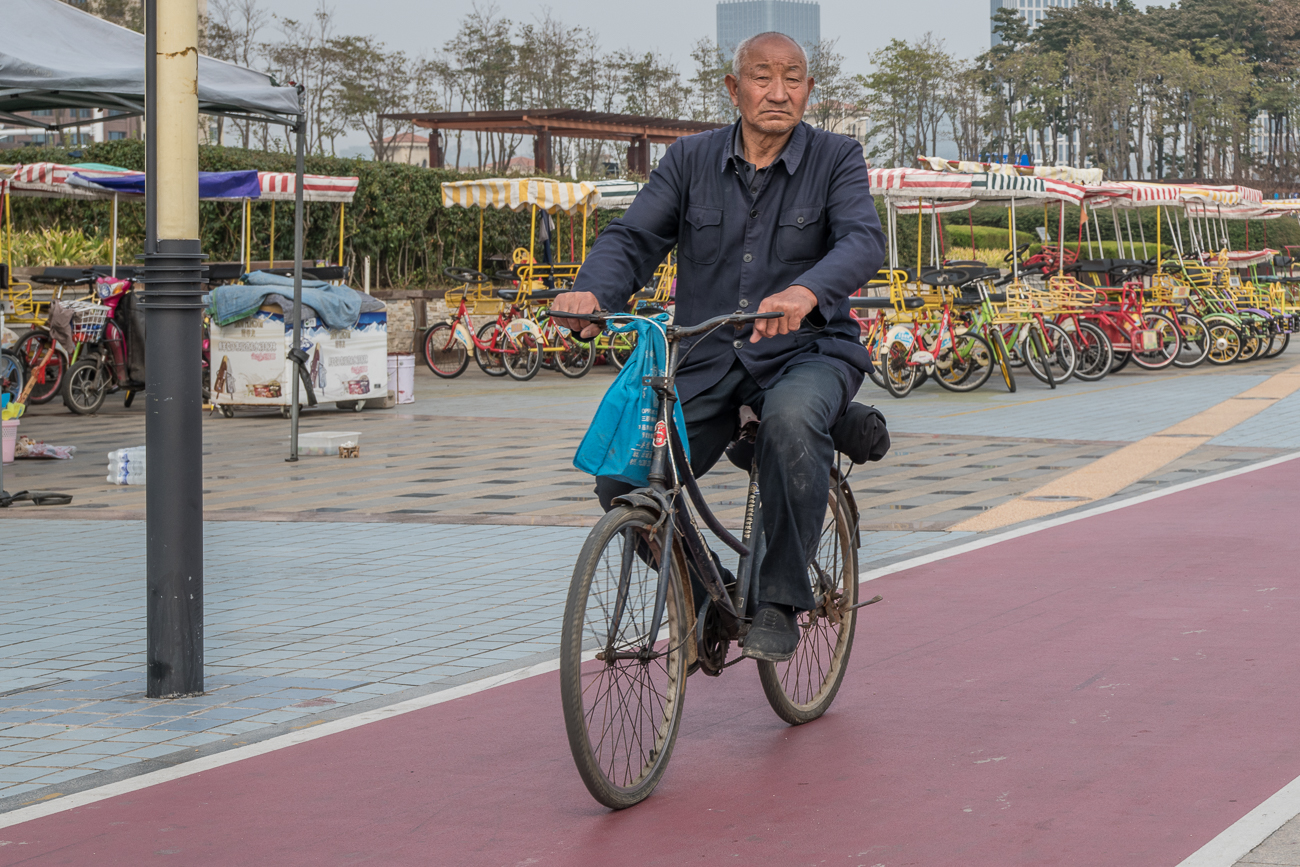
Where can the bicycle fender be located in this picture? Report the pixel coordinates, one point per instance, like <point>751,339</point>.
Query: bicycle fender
<point>645,498</point>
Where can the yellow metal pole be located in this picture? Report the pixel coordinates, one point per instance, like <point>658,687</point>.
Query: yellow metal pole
<point>1157,235</point>
<point>920,226</point>
<point>480,239</point>
<point>248,235</point>
<point>532,238</point>
<point>584,235</point>
<point>271,254</point>
<point>342,206</point>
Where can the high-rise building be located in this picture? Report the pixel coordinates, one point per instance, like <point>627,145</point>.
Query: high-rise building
<point>740,19</point>
<point>1030,10</point>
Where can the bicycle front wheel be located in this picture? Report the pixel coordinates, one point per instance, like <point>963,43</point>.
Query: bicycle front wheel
<point>622,688</point>
<point>32,347</point>
<point>802,688</point>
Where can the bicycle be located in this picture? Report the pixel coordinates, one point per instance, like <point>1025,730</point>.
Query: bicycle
<point>630,637</point>
<point>498,350</point>
<point>45,362</point>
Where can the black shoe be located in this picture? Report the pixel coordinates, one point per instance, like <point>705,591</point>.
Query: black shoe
<point>774,634</point>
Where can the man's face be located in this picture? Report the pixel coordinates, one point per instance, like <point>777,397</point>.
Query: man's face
<point>772,89</point>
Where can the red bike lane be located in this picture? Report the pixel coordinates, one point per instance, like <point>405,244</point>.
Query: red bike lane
<point>1116,690</point>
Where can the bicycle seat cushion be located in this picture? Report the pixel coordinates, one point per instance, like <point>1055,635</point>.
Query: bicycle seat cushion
<point>860,434</point>
<point>860,303</point>
<point>547,294</point>
<point>945,277</point>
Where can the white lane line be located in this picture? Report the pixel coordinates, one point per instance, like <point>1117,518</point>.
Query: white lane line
<point>81,799</point>
<point>217,760</point>
<point>976,544</point>
<point>1249,831</point>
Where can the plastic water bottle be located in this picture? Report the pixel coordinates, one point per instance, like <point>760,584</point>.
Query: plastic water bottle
<point>127,466</point>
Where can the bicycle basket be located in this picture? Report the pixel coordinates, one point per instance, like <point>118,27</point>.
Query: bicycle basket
<point>87,320</point>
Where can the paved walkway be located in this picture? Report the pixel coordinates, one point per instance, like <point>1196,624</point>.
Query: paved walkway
<point>994,713</point>
<point>339,588</point>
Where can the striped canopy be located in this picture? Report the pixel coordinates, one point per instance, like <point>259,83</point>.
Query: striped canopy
<point>518,193</point>
<point>1083,177</point>
<point>279,186</point>
<point>55,181</point>
<point>942,207</point>
<point>615,195</point>
<point>913,184</point>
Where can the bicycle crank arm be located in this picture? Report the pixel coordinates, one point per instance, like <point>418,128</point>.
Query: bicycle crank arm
<point>872,601</point>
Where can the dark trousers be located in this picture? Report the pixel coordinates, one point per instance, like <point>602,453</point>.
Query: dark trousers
<point>794,453</point>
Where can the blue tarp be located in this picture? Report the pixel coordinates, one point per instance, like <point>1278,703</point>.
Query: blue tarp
<point>338,306</point>
<point>212,185</point>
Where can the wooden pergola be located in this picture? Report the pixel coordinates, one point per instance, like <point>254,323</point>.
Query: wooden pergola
<point>542,124</point>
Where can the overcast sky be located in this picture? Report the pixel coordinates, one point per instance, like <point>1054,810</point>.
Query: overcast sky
<point>667,26</point>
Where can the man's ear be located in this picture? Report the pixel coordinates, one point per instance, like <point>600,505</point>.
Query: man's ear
<point>732,85</point>
<point>812,82</point>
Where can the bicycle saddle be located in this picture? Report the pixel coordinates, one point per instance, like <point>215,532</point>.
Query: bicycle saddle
<point>860,434</point>
<point>536,294</point>
<point>945,277</point>
<point>859,302</point>
<point>45,280</point>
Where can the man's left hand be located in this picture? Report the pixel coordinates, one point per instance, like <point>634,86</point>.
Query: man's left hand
<point>795,302</point>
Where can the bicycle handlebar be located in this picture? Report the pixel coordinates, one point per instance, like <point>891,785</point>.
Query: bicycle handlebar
<point>676,332</point>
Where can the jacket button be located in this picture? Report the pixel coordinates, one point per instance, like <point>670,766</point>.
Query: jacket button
<point>748,257</point>
<point>738,343</point>
<point>753,215</point>
<point>744,302</point>
<point>799,219</point>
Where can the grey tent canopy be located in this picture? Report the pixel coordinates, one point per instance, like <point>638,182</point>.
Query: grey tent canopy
<point>53,55</point>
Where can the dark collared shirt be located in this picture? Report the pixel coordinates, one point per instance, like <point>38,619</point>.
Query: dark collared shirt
<point>809,221</point>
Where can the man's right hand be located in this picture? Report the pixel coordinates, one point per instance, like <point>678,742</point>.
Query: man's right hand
<point>576,302</point>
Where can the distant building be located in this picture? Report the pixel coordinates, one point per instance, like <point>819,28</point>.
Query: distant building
<point>740,19</point>
<point>99,125</point>
<point>1030,10</point>
<point>405,147</point>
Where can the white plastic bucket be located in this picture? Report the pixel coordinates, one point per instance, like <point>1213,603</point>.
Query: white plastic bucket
<point>10,440</point>
<point>401,376</point>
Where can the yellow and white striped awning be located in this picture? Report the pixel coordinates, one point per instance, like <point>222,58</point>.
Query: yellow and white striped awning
<point>517,193</point>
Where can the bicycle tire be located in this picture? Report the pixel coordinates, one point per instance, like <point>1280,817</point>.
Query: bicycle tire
<point>444,354</point>
<point>1034,350</point>
<point>899,376</point>
<point>1003,354</point>
<point>620,349</point>
<point>1281,340</point>
<point>1164,356</point>
<point>1093,353</point>
<point>85,387</point>
<point>1062,354</point>
<point>576,357</point>
<point>1225,341</point>
<point>521,356</point>
<point>1195,346</point>
<point>12,375</point>
<point>802,688</point>
<point>621,770</point>
<point>31,347</point>
<point>977,367</point>
<point>488,361</point>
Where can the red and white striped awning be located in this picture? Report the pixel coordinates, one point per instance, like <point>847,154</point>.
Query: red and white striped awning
<point>52,181</point>
<point>279,186</point>
<point>914,184</point>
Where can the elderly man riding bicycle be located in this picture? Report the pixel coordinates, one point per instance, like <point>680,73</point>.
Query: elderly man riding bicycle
<point>769,215</point>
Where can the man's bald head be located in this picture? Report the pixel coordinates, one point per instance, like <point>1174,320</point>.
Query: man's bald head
<point>745,49</point>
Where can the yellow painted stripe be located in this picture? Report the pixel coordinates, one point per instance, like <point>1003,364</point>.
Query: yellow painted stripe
<point>1115,472</point>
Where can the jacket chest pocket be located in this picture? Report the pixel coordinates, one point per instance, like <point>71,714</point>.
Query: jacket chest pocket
<point>800,235</point>
<point>702,239</point>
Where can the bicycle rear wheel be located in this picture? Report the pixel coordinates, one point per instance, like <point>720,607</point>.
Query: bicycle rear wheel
<point>970,364</point>
<point>1003,354</point>
<point>1195,345</point>
<point>575,357</point>
<point>899,375</point>
<point>443,353</point>
<point>622,695</point>
<point>802,688</point>
<point>489,362</point>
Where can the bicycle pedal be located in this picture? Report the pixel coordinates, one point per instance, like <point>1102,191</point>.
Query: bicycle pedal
<point>872,601</point>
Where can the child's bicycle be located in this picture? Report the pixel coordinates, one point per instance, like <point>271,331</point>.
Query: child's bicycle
<point>632,632</point>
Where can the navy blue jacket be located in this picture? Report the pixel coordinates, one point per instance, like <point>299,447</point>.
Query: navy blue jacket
<point>812,223</point>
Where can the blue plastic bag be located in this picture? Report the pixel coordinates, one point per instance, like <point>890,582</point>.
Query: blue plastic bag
<point>620,440</point>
